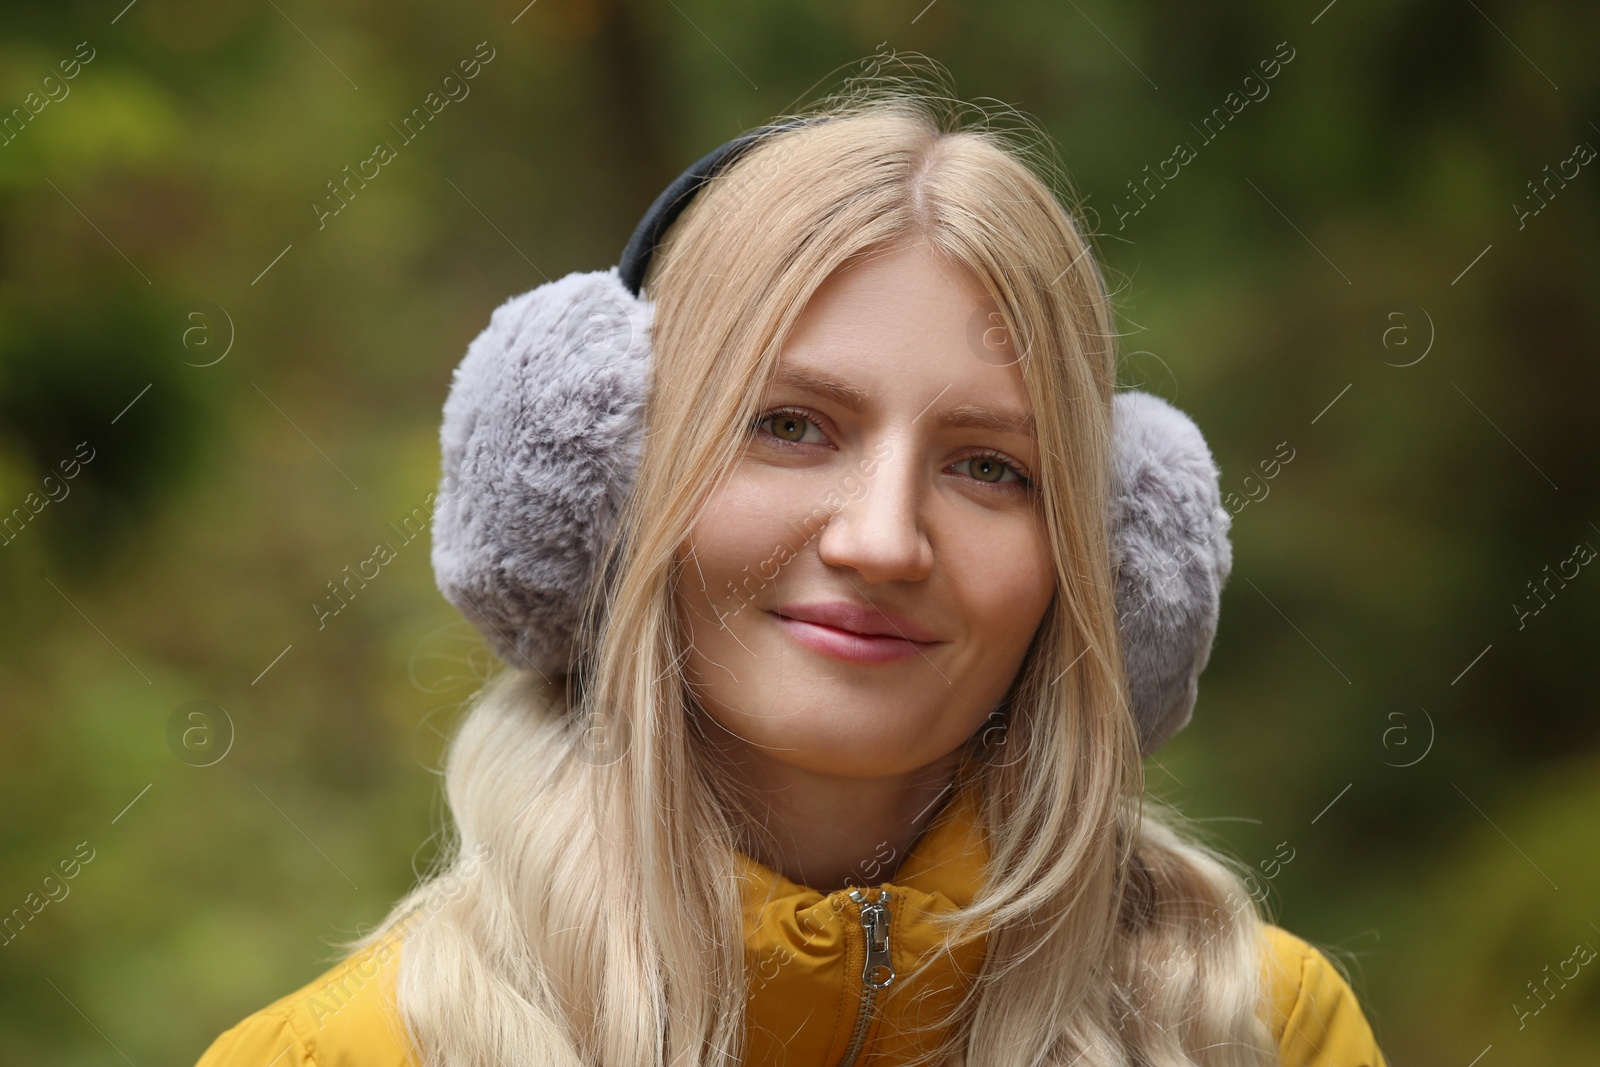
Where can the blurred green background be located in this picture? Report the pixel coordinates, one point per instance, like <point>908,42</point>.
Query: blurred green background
<point>1355,271</point>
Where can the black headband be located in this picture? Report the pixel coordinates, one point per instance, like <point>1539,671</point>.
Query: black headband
<point>675,197</point>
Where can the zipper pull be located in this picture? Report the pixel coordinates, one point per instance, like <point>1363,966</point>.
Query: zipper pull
<point>878,971</point>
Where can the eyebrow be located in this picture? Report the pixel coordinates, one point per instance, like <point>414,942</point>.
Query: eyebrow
<point>969,416</point>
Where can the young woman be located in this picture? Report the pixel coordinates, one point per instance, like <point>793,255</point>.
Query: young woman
<point>843,767</point>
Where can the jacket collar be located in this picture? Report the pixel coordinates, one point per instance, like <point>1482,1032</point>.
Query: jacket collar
<point>806,952</point>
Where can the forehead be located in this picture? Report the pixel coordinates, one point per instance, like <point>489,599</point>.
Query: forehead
<point>908,323</point>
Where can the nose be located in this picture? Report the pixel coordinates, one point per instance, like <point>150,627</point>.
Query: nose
<point>879,529</point>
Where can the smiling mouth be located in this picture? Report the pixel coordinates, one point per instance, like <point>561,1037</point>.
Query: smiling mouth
<point>842,630</point>
<point>848,645</point>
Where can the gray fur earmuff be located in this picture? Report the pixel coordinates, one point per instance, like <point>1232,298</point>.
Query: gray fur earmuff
<point>1170,555</point>
<point>540,443</point>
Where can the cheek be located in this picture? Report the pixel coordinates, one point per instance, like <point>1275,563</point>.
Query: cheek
<point>737,547</point>
<point>731,562</point>
<point>1005,581</point>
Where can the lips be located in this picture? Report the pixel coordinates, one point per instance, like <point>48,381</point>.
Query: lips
<point>859,620</point>
<point>850,647</point>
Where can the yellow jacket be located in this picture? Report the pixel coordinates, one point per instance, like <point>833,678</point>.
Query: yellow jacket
<point>816,964</point>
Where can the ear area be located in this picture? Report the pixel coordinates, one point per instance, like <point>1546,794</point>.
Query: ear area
<point>540,447</point>
<point>1170,558</point>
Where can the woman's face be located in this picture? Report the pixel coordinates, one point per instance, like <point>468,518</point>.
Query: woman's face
<point>888,482</point>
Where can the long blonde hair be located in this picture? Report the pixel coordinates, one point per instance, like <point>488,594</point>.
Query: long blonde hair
<point>606,927</point>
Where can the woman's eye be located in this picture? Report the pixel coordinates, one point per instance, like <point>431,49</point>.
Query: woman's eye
<point>992,470</point>
<point>788,426</point>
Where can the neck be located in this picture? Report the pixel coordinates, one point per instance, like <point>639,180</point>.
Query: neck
<point>827,831</point>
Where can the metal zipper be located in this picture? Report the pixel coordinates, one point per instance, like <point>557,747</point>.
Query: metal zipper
<point>876,973</point>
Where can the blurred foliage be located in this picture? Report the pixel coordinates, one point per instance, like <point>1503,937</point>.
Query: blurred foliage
<point>261,395</point>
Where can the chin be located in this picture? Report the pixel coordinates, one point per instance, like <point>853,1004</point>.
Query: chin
<point>849,764</point>
<point>849,751</point>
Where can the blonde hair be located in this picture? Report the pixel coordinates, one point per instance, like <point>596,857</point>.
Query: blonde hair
<point>605,929</point>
